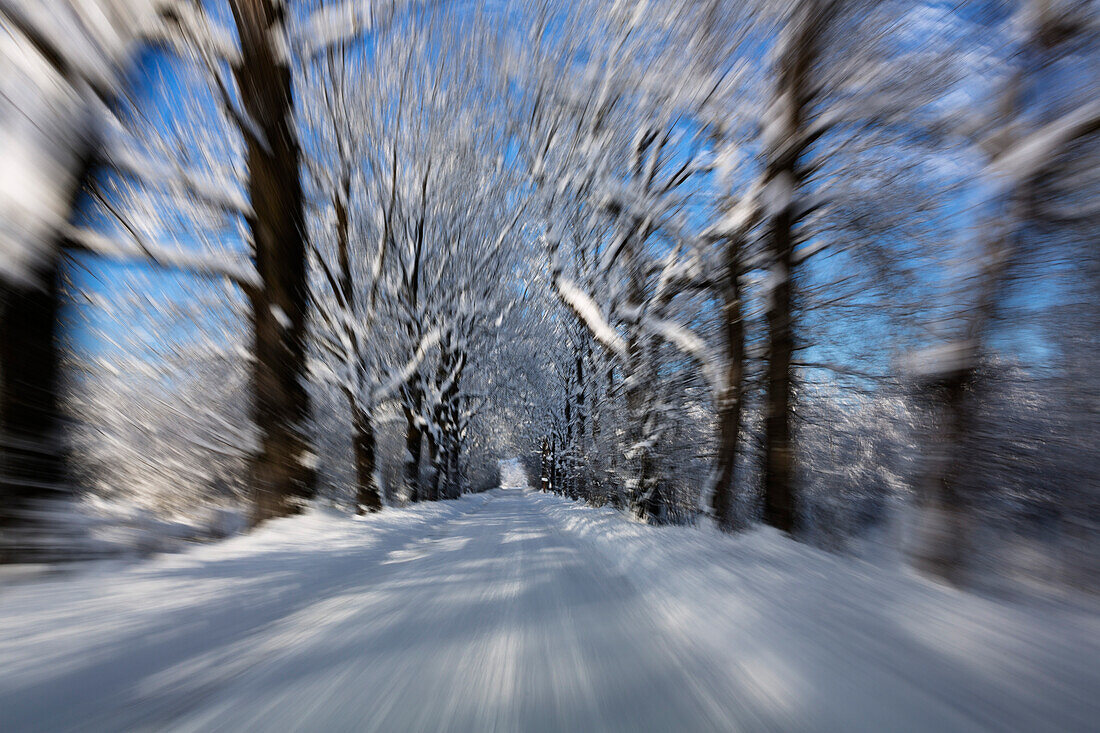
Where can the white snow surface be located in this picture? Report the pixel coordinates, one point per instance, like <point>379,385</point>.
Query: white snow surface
<point>514,610</point>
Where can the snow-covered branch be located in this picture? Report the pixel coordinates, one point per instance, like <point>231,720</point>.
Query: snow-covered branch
<point>586,309</point>
<point>133,247</point>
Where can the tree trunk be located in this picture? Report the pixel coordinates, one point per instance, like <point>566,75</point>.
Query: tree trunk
<point>729,401</point>
<point>779,500</point>
<point>33,470</point>
<point>567,449</point>
<point>942,529</point>
<point>450,484</point>
<point>644,492</point>
<point>451,365</point>
<point>454,471</point>
<point>282,470</point>
<point>61,135</point>
<point>368,498</point>
<point>414,439</point>
<point>580,452</point>
<point>434,460</point>
<point>554,464</point>
<point>652,506</point>
<point>942,532</point>
<point>544,466</point>
<point>34,462</point>
<point>785,142</point>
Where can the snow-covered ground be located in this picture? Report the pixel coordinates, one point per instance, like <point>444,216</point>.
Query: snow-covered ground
<point>513,610</point>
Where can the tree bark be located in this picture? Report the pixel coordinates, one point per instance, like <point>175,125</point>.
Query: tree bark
<point>452,362</point>
<point>367,496</point>
<point>785,143</point>
<point>414,440</point>
<point>544,466</point>
<point>34,461</point>
<point>779,500</point>
<point>554,464</point>
<point>730,400</point>
<point>454,477</point>
<point>568,447</point>
<point>645,495</point>
<point>33,470</point>
<point>942,529</point>
<point>580,454</point>
<point>282,472</point>
<point>434,458</point>
<point>34,466</point>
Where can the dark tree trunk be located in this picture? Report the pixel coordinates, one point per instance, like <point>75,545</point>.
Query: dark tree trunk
<point>644,496</point>
<point>434,459</point>
<point>554,486</point>
<point>729,401</point>
<point>544,466</point>
<point>445,416</point>
<point>779,500</point>
<point>454,476</point>
<point>414,439</point>
<point>34,462</point>
<point>567,449</point>
<point>580,452</point>
<point>368,497</point>
<point>783,178</point>
<point>282,470</point>
<point>942,529</point>
<point>652,505</point>
<point>33,470</point>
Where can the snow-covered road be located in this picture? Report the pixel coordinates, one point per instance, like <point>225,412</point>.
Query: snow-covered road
<point>505,612</point>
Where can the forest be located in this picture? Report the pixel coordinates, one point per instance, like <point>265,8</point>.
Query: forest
<point>828,266</point>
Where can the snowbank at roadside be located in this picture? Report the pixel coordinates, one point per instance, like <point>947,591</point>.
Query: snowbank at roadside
<point>225,589</point>
<point>818,636</point>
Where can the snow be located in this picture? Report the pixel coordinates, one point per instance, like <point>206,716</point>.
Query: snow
<point>46,116</point>
<point>331,23</point>
<point>1029,156</point>
<point>941,360</point>
<point>308,459</point>
<point>585,308</point>
<point>778,194</point>
<point>341,22</point>
<point>512,475</point>
<point>119,528</point>
<point>79,646</point>
<point>689,343</point>
<point>220,191</point>
<point>514,610</point>
<point>390,386</point>
<point>823,642</point>
<point>39,131</point>
<point>736,220</point>
<point>219,264</point>
<point>281,317</point>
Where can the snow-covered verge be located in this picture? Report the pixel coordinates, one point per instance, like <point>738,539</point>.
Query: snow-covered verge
<point>74,628</point>
<point>123,528</point>
<point>512,606</point>
<point>74,533</point>
<point>821,640</point>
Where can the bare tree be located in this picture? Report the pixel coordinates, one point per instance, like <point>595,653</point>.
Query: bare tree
<point>1021,152</point>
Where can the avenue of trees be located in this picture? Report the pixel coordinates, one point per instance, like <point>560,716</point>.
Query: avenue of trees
<point>826,265</point>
